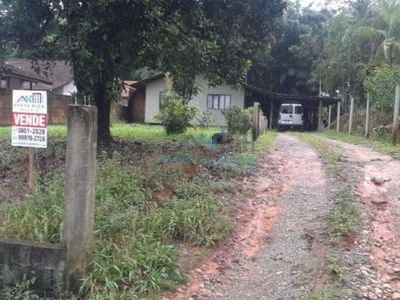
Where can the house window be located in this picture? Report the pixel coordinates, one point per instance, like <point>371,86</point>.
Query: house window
<point>218,101</point>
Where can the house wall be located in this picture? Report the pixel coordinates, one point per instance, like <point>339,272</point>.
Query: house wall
<point>67,89</point>
<point>57,108</point>
<point>200,100</point>
<point>152,105</point>
<point>137,106</point>
<point>14,83</point>
<point>154,88</point>
<point>5,108</point>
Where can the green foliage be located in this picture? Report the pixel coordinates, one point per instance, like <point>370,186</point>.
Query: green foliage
<point>174,114</point>
<point>325,293</point>
<point>381,86</point>
<point>335,269</point>
<point>204,119</point>
<point>239,120</point>
<point>21,291</point>
<point>107,39</point>
<point>5,133</point>
<point>138,234</point>
<point>323,148</point>
<point>378,145</point>
<point>342,221</point>
<point>39,217</point>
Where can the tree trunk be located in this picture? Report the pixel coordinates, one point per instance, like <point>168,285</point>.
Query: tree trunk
<point>103,112</point>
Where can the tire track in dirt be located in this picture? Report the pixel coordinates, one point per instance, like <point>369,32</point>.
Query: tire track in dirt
<point>275,245</point>
<point>377,185</point>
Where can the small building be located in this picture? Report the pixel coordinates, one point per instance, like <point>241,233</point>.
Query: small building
<point>315,108</point>
<point>145,101</point>
<point>13,78</point>
<point>58,73</point>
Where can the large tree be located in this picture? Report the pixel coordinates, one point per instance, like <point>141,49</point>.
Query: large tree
<point>286,65</point>
<point>105,38</point>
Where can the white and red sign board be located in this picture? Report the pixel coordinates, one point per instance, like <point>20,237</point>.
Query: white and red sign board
<point>29,119</point>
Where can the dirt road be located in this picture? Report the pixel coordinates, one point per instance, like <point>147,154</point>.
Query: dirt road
<point>282,251</point>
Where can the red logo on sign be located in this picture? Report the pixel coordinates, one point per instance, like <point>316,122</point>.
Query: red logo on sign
<point>29,120</point>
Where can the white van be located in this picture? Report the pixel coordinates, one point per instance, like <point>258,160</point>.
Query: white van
<point>291,116</point>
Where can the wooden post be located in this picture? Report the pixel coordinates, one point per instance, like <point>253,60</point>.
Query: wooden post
<point>256,106</point>
<point>31,168</point>
<point>338,117</point>
<point>329,116</point>
<point>271,113</point>
<point>351,114</point>
<point>320,116</point>
<point>396,114</point>
<point>367,117</point>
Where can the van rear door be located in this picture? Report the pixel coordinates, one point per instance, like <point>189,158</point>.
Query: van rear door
<point>297,114</point>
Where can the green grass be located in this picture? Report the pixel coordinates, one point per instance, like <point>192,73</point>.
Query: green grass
<point>343,220</point>
<point>324,148</point>
<point>138,234</point>
<point>325,293</point>
<point>5,133</point>
<point>265,142</point>
<point>384,146</point>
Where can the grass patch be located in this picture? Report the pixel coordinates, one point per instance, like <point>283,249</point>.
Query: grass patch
<point>384,146</point>
<point>342,221</point>
<point>323,148</point>
<point>147,206</point>
<point>325,293</point>
<point>5,133</point>
<point>265,142</point>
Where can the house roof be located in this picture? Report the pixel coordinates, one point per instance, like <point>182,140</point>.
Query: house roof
<point>143,82</point>
<point>269,94</point>
<point>9,70</point>
<point>59,72</point>
<point>291,98</point>
<point>125,93</point>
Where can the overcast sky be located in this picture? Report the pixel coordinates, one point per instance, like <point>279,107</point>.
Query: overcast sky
<point>317,4</point>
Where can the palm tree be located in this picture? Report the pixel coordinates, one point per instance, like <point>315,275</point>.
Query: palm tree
<point>383,31</point>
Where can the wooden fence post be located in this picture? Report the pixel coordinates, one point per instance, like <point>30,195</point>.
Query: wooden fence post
<point>367,117</point>
<point>338,117</point>
<point>396,114</point>
<point>351,114</point>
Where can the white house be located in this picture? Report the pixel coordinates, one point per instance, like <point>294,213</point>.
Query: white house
<point>145,101</point>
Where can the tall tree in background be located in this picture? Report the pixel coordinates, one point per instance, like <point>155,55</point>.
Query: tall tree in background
<point>382,30</point>
<point>285,66</point>
<point>106,38</point>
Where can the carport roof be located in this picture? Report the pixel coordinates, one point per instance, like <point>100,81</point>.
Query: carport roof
<point>292,98</point>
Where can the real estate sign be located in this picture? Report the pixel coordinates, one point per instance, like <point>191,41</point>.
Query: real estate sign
<point>29,119</point>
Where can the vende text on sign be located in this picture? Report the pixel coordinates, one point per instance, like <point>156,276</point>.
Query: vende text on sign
<point>29,119</point>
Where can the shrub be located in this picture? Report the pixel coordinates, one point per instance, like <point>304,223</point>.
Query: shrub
<point>174,113</point>
<point>239,121</point>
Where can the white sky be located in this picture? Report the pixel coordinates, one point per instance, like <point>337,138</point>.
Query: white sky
<point>317,4</point>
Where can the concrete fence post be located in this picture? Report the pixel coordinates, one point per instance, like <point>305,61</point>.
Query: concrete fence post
<point>351,114</point>
<point>338,117</point>
<point>367,116</point>
<point>79,192</point>
<point>396,114</point>
<point>255,129</point>
<point>320,126</point>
